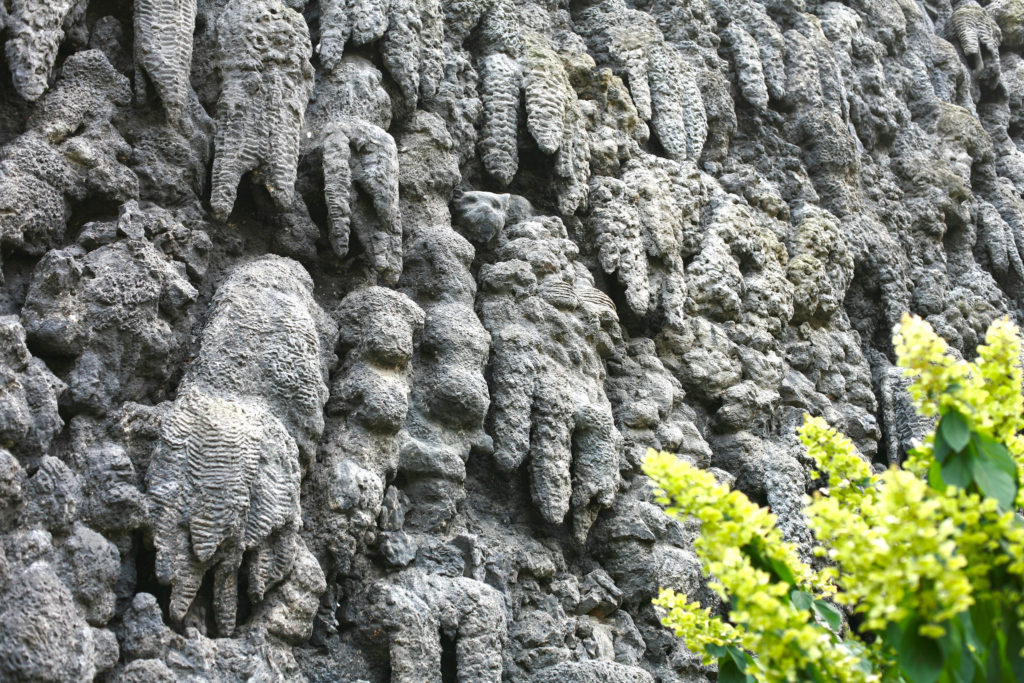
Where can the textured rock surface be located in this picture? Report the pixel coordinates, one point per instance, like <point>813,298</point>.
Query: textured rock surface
<point>333,353</point>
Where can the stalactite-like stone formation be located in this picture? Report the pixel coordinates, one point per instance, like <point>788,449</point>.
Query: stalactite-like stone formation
<point>335,351</point>
<point>263,60</point>
<point>226,475</point>
<point>548,402</point>
<point>163,50</point>
<point>35,30</point>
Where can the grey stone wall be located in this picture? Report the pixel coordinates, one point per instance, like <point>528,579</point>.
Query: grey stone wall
<point>333,332</point>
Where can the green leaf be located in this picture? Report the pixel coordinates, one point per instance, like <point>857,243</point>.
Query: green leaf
<point>813,674</point>
<point>935,476</point>
<point>782,571</point>
<point>716,651</point>
<point>994,481</point>
<point>920,657</point>
<point>801,599</point>
<point>998,455</point>
<point>954,430</point>
<point>729,672</point>
<point>983,616</point>
<point>830,614</point>
<point>992,665</point>
<point>959,664</point>
<point>739,656</point>
<point>941,450</point>
<point>1014,646</point>
<point>892,675</point>
<point>970,634</point>
<point>957,470</point>
<point>777,569</point>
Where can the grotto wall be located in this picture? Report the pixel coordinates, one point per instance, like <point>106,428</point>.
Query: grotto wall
<point>333,332</point>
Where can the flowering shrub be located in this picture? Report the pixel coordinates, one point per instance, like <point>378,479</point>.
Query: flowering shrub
<point>928,560</point>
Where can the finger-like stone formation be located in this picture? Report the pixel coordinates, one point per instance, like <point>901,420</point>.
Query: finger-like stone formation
<point>548,401</point>
<point>224,482</point>
<point>163,50</point>
<point>263,61</point>
<point>417,610</point>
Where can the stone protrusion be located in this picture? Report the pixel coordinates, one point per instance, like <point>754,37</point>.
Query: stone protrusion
<point>263,61</point>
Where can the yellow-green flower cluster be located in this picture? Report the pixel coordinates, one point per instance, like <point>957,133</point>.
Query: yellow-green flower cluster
<point>987,392</point>
<point>896,552</point>
<point>903,549</point>
<point>900,547</point>
<point>728,517</point>
<point>695,624</point>
<point>926,357</point>
<point>835,455</point>
<point>786,639</point>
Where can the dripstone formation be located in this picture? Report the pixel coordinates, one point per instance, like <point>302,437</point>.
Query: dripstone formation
<point>333,333</point>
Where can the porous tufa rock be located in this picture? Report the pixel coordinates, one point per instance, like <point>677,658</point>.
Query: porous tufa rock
<point>163,51</point>
<point>70,152</point>
<point>548,402</point>
<point>749,195</point>
<point>130,303</point>
<point>28,394</point>
<point>35,31</point>
<point>263,61</point>
<point>978,34</point>
<point>369,404</point>
<point>415,608</point>
<point>44,637</point>
<point>500,87</point>
<point>663,84</point>
<point>225,478</point>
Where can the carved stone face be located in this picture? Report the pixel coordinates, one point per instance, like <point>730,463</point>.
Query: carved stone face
<point>481,215</point>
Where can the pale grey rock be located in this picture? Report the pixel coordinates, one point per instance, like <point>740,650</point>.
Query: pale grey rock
<point>554,120</point>
<point>348,122</point>
<point>53,495</point>
<point>592,672</point>
<point>267,79</point>
<point>552,236</point>
<point>548,400</point>
<point>499,96</point>
<point>650,408</point>
<point>225,478</point>
<point>410,34</point>
<point>978,34</point>
<point>117,306</point>
<point>662,84</point>
<point>450,395</point>
<point>12,491</point>
<point>368,406</point>
<point>69,153</point>
<point>44,638</point>
<point>36,29</point>
<point>145,636</point>
<point>290,607</point>
<point>163,51</point>
<point>416,610</point>
<point>28,394</point>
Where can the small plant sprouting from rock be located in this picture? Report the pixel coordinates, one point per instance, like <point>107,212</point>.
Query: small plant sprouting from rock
<point>929,557</point>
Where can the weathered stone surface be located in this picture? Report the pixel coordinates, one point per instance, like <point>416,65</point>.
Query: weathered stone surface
<point>336,350</point>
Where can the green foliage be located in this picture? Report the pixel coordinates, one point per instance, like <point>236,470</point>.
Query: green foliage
<point>928,557</point>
